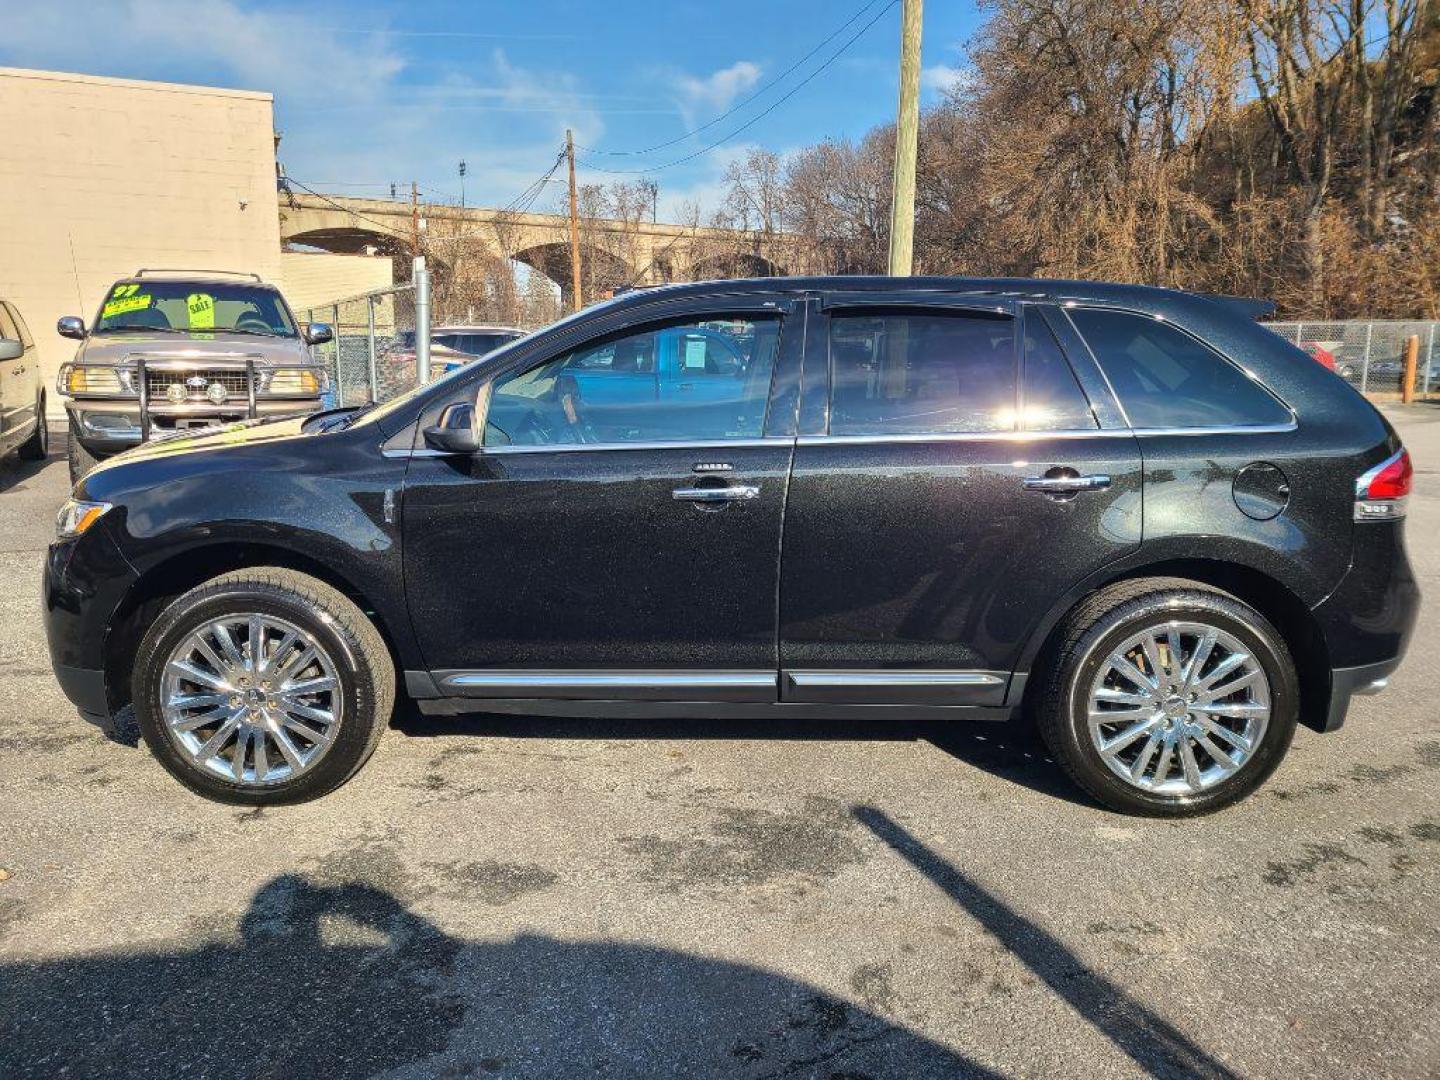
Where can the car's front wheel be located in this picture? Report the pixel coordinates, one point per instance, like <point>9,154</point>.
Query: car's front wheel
<point>263,686</point>
<point>1168,698</point>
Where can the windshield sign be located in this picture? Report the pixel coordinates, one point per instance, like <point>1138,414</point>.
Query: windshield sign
<point>205,307</point>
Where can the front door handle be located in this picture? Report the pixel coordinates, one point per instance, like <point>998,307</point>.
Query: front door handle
<point>1066,485</point>
<point>733,493</point>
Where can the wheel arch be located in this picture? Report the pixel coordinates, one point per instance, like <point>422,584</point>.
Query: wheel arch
<point>149,594</point>
<point>1270,597</point>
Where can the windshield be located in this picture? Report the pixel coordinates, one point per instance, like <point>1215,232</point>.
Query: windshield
<point>184,306</point>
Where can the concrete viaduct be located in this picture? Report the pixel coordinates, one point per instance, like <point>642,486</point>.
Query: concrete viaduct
<point>613,253</point>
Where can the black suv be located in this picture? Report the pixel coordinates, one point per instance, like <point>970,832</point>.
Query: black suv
<point>1132,514</point>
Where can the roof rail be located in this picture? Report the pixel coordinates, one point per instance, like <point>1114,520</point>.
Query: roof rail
<point>219,273</point>
<point>1253,306</point>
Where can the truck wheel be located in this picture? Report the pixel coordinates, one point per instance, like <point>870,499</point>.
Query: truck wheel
<point>263,686</point>
<point>1168,698</point>
<point>37,446</point>
<point>81,460</point>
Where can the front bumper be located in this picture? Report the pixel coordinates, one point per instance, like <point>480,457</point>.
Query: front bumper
<point>85,582</point>
<point>109,427</point>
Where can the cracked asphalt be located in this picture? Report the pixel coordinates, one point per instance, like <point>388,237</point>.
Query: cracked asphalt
<point>543,898</point>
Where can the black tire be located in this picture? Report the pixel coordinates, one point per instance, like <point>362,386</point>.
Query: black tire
<point>81,461</point>
<point>37,446</point>
<point>362,662</point>
<point>1103,621</point>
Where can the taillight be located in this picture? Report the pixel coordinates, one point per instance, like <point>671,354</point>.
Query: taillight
<point>1381,492</point>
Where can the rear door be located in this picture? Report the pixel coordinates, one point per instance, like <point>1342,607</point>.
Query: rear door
<point>952,479</point>
<point>15,410</point>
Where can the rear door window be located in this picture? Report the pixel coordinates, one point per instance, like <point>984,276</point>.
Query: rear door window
<point>1165,378</point>
<point>1053,398</point>
<point>921,373</point>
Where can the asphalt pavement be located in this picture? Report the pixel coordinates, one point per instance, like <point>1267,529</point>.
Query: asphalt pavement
<point>546,898</point>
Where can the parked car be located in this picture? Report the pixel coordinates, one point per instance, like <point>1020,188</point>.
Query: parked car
<point>171,350</point>
<point>1131,514</point>
<point>22,397</point>
<point>452,346</point>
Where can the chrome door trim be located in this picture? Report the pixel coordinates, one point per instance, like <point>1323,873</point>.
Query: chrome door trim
<point>895,678</point>
<point>573,448</point>
<point>731,493</point>
<point>856,686</point>
<point>609,684</point>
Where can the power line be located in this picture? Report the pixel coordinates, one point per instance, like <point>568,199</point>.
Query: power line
<point>746,101</point>
<point>382,226</point>
<point>761,115</point>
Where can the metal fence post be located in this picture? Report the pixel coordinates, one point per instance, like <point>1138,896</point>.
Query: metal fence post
<point>370,339</point>
<point>339,378</point>
<point>1365,363</point>
<point>1429,359</point>
<point>421,277</point>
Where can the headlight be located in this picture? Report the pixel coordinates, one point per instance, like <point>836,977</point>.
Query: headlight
<point>76,517</point>
<point>296,382</point>
<point>79,379</point>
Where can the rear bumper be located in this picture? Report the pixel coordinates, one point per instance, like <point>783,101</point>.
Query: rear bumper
<point>1368,620</point>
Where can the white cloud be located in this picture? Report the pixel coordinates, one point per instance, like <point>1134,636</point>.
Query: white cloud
<point>718,89</point>
<point>944,79</point>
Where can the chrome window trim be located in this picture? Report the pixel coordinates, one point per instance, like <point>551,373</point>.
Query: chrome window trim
<point>884,678</point>
<point>1035,436</point>
<point>572,448</point>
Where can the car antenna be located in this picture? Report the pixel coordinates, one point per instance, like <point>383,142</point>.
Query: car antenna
<point>75,272</point>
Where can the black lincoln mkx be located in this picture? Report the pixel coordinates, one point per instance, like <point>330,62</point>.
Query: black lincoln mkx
<point>1133,515</point>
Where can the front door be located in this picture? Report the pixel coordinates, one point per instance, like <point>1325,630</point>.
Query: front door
<point>610,540</point>
<point>962,482</point>
<point>14,411</point>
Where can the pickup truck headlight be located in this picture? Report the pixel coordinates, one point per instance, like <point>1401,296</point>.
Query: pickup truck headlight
<point>76,517</point>
<point>80,379</point>
<point>296,382</point>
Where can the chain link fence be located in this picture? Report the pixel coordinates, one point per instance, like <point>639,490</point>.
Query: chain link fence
<point>372,356</point>
<point>1370,355</point>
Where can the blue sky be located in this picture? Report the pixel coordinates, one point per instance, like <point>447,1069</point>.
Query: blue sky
<point>371,92</point>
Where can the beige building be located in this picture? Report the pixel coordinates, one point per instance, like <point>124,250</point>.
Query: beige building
<point>100,177</point>
<point>315,280</point>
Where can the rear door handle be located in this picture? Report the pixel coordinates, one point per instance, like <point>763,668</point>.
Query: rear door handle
<point>733,493</point>
<point>1066,485</point>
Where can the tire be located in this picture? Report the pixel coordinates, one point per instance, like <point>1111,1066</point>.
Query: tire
<point>348,642</point>
<point>81,461</point>
<point>37,446</point>
<point>1081,654</point>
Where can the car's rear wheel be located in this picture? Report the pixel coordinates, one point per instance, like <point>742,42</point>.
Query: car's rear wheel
<point>1168,698</point>
<point>263,686</point>
<point>37,446</point>
<point>81,461</point>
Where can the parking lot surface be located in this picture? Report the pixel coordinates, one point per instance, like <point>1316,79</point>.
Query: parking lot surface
<point>542,898</point>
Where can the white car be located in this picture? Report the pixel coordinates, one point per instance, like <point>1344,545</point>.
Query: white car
<point>455,346</point>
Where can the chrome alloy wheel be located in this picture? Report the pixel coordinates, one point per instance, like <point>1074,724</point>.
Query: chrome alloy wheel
<point>251,698</point>
<point>1178,708</point>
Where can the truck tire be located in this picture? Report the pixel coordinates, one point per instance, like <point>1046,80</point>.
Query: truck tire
<point>37,446</point>
<point>81,461</point>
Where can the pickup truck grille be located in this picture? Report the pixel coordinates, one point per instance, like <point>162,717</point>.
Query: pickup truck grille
<point>233,381</point>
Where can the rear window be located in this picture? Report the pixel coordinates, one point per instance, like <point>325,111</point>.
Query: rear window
<point>1167,379</point>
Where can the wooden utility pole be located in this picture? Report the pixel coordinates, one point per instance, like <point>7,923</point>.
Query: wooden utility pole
<point>577,299</point>
<point>414,220</point>
<point>907,142</point>
<point>1412,361</point>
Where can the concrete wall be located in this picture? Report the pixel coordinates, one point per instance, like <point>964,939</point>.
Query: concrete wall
<point>312,280</point>
<point>99,177</point>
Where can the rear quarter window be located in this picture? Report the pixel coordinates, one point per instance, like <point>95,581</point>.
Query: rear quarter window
<point>1165,378</point>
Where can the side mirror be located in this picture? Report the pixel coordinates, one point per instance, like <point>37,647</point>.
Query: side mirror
<point>10,349</point>
<point>317,333</point>
<point>455,433</point>
<point>71,326</point>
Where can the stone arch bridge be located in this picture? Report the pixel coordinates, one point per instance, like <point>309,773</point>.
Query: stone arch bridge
<point>613,253</point>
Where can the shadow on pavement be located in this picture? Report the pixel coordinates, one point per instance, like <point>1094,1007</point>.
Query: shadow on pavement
<point>344,981</point>
<point>1151,1041</point>
<point>15,470</point>
<point>1012,751</point>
